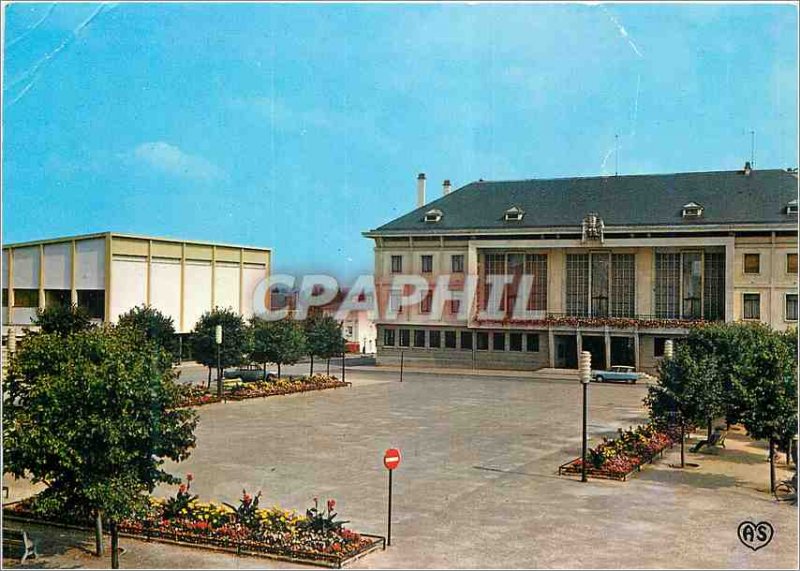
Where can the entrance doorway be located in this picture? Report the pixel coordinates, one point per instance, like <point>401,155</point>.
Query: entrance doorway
<point>623,351</point>
<point>566,351</point>
<point>596,345</point>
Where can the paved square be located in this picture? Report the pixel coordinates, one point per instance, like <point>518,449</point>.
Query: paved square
<point>478,484</point>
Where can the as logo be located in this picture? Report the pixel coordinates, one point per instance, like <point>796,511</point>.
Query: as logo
<point>755,535</point>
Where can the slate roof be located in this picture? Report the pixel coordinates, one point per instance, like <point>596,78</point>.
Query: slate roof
<point>727,197</point>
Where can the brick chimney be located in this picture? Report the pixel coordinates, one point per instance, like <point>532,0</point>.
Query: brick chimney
<point>421,190</point>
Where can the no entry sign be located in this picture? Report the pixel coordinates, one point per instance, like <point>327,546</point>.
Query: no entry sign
<point>391,458</point>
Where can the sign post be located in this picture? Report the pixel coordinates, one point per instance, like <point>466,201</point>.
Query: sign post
<point>218,341</point>
<point>391,459</point>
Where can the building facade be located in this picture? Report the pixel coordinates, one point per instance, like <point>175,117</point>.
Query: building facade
<point>110,273</point>
<point>612,265</point>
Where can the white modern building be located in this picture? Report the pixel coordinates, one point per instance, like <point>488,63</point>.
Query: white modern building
<point>110,273</point>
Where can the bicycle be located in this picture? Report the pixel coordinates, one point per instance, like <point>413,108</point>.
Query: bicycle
<point>786,491</point>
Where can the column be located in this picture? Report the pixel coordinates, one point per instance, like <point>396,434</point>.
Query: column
<point>608,349</point>
<point>551,347</point>
<point>636,348</point>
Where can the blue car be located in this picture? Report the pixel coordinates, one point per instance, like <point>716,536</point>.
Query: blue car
<point>618,373</point>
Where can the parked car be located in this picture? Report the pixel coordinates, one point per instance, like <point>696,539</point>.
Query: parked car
<point>618,373</point>
<point>250,374</point>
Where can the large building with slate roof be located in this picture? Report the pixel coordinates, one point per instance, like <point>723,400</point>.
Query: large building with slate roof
<point>613,265</point>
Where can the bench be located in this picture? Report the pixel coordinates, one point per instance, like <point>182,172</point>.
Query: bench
<point>717,439</point>
<point>17,538</point>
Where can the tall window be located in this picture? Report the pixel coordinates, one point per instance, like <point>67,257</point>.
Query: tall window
<point>751,303</point>
<point>600,272</point>
<point>405,337</point>
<point>388,337</point>
<point>791,264</point>
<point>692,268</point>
<point>752,263</point>
<point>426,303</point>
<point>466,340</point>
<point>481,341</point>
<point>457,263</point>
<point>419,338</point>
<point>495,266</point>
<point>397,264</point>
<point>499,341</point>
<point>714,286</point>
<point>577,284</point>
<point>668,285</point>
<point>427,264</point>
<point>434,339</point>
<point>791,307</point>
<point>536,267</point>
<point>515,342</point>
<point>623,285</point>
<point>57,297</point>
<point>450,339</point>
<point>394,301</point>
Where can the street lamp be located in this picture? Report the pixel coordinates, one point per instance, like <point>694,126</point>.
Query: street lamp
<point>218,339</point>
<point>585,375</point>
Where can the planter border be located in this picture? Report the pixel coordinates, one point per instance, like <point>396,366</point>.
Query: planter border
<point>235,398</point>
<point>572,468</point>
<point>309,558</point>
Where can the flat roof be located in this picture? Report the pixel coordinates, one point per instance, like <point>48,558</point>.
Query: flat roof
<point>131,236</point>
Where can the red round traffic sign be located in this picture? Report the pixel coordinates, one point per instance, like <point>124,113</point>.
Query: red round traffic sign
<point>391,458</point>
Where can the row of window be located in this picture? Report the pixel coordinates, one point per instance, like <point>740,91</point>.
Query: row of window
<point>92,300</point>
<point>426,264</point>
<point>751,306</point>
<point>752,263</point>
<point>466,340</point>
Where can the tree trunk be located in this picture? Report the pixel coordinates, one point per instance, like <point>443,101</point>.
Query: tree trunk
<point>279,370</point>
<point>771,464</point>
<point>708,434</point>
<point>312,366</point>
<point>209,379</point>
<point>329,367</point>
<point>114,544</point>
<point>98,534</point>
<point>683,443</point>
<point>265,371</point>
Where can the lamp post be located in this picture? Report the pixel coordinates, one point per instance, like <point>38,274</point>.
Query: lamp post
<point>218,339</point>
<point>585,375</point>
<point>669,352</point>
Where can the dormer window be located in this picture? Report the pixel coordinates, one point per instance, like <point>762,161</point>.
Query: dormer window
<point>513,214</point>
<point>433,215</point>
<point>791,208</point>
<point>692,210</point>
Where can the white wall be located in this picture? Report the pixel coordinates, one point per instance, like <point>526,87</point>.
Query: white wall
<point>129,284</point>
<point>90,271</point>
<point>226,286</point>
<point>165,288</point>
<point>253,275</point>
<point>58,266</point>
<point>26,268</point>
<point>196,292</point>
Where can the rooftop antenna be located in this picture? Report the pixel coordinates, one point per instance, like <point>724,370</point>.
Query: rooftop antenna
<point>752,148</point>
<point>616,154</point>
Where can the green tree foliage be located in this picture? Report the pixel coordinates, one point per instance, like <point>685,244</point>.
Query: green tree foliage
<point>154,325</point>
<point>93,415</point>
<point>281,342</point>
<point>235,339</point>
<point>745,371</point>
<point>62,319</point>
<point>323,337</point>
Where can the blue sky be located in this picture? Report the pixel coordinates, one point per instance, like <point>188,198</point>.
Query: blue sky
<point>298,126</point>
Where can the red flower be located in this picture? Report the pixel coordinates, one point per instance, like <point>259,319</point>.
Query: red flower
<point>189,477</point>
<point>331,505</point>
<point>182,489</point>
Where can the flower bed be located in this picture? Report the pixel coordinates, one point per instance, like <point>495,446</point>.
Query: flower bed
<point>198,396</point>
<point>617,458</point>
<point>317,537</point>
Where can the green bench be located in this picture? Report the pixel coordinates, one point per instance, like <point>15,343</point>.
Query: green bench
<point>19,539</point>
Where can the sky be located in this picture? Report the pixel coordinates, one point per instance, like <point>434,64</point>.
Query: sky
<point>298,127</point>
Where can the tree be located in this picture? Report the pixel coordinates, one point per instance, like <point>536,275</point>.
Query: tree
<point>324,338</point>
<point>768,371</point>
<point>62,319</point>
<point>235,339</point>
<point>93,415</point>
<point>281,342</point>
<point>154,325</point>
